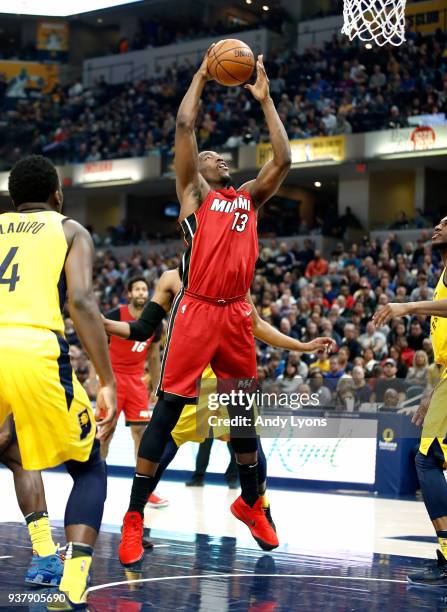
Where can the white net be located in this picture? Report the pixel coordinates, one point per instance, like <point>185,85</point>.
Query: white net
<point>379,21</point>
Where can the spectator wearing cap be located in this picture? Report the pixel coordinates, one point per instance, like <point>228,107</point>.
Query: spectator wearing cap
<point>389,381</point>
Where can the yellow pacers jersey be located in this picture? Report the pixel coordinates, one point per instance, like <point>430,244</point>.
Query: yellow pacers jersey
<point>438,325</point>
<point>32,256</point>
<point>53,418</point>
<point>435,422</point>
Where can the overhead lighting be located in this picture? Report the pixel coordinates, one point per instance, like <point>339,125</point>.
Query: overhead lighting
<point>99,20</point>
<point>317,184</point>
<point>265,7</point>
<point>368,46</point>
<point>248,1</point>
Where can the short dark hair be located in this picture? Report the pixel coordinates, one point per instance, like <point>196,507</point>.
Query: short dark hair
<point>136,279</point>
<point>32,179</point>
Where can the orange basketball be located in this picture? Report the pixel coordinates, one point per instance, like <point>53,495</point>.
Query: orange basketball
<point>231,62</point>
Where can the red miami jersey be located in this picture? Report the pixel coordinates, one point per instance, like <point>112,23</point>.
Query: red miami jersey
<point>222,243</point>
<point>128,356</point>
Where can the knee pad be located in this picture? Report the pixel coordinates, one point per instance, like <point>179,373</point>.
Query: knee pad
<point>86,503</point>
<point>433,485</point>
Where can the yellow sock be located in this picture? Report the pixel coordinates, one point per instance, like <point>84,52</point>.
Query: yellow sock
<point>265,500</point>
<point>443,545</point>
<point>78,559</point>
<point>40,534</point>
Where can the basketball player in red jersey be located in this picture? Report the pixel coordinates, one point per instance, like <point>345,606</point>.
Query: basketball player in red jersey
<point>128,362</point>
<point>210,321</point>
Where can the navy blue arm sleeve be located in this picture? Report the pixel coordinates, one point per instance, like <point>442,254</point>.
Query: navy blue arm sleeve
<point>151,317</point>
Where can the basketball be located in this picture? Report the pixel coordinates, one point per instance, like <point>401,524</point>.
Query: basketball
<point>231,62</point>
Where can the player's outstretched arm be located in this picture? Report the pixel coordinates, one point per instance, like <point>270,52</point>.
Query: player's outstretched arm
<point>273,173</point>
<point>153,313</point>
<point>438,308</point>
<point>86,317</point>
<point>190,185</point>
<point>270,335</point>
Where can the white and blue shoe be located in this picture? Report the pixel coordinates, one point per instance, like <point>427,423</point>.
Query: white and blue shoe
<point>45,571</point>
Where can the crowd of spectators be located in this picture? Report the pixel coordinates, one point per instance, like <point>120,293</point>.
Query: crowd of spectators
<point>156,33</point>
<point>305,295</point>
<point>337,89</point>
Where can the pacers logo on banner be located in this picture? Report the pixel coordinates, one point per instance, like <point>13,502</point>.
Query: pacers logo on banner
<point>387,442</point>
<point>84,423</point>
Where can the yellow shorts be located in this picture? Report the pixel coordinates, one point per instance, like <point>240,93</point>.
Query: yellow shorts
<point>193,424</point>
<point>435,422</point>
<point>53,417</point>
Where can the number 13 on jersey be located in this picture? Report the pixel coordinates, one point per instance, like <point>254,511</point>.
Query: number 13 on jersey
<point>4,265</point>
<point>240,221</point>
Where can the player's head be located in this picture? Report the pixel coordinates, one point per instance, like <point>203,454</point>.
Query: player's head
<point>137,291</point>
<point>213,168</point>
<point>439,238</point>
<point>34,180</point>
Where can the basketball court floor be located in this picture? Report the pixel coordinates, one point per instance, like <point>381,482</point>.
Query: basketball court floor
<point>338,551</point>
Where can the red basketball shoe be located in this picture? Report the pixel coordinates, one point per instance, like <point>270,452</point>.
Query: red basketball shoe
<point>257,522</point>
<point>155,501</point>
<point>131,546</point>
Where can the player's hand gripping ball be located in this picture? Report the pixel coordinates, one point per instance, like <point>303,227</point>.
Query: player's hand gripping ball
<point>230,62</point>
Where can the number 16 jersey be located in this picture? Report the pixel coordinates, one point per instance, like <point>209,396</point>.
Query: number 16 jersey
<point>33,249</point>
<point>222,245</point>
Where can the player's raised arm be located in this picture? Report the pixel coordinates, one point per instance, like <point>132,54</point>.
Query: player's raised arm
<point>437,308</point>
<point>270,335</point>
<point>273,173</point>
<point>86,317</point>
<point>190,185</point>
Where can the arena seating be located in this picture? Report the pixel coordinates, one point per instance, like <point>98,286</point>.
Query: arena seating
<point>338,89</point>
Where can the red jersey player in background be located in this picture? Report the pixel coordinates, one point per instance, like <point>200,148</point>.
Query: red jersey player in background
<point>210,319</point>
<point>128,364</point>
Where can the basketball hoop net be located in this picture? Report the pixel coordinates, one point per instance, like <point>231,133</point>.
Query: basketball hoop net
<point>379,21</point>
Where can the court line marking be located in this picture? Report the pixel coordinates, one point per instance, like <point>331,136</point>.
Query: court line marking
<point>165,578</point>
<point>6,557</point>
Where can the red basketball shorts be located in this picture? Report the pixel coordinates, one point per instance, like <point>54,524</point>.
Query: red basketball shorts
<point>201,333</point>
<point>132,398</point>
